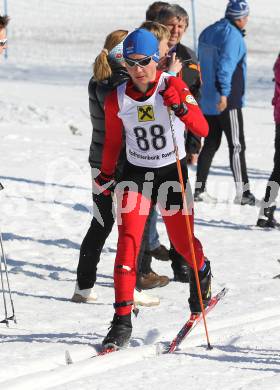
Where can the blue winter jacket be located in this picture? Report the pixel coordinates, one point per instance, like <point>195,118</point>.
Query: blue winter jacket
<point>222,55</point>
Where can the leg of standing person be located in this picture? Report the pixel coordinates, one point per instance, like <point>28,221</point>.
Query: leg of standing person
<point>273,189</point>
<point>268,206</point>
<point>179,266</point>
<point>232,124</point>
<point>153,233</point>
<point>146,277</point>
<point>157,250</point>
<point>211,145</point>
<point>92,245</point>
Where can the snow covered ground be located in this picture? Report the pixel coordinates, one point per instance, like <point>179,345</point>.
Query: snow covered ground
<point>45,211</point>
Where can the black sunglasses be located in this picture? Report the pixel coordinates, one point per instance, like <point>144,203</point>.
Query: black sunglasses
<point>142,62</point>
<point>3,42</point>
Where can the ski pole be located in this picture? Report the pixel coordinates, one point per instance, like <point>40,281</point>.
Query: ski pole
<point>4,296</point>
<point>2,282</point>
<point>2,271</point>
<point>188,225</point>
<point>12,317</point>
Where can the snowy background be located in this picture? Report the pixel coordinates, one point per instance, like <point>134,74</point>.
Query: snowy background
<point>45,211</point>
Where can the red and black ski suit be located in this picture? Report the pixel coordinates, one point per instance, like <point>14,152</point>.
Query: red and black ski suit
<point>131,224</point>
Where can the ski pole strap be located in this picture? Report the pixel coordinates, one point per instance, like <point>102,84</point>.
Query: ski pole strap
<point>123,303</point>
<point>127,303</point>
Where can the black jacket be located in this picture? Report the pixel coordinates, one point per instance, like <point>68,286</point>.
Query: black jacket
<point>191,76</point>
<point>97,93</point>
<point>190,70</point>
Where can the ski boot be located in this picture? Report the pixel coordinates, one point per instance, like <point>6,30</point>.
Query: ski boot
<point>205,286</point>
<point>119,333</point>
<point>247,198</point>
<point>266,217</point>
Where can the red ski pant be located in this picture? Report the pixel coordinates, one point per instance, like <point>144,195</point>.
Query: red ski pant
<point>131,227</point>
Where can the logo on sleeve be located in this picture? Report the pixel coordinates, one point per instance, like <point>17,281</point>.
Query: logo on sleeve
<point>191,100</point>
<point>145,113</point>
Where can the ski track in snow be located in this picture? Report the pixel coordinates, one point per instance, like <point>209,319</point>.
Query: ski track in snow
<point>46,209</point>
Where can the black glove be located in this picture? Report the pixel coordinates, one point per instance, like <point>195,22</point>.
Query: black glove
<point>105,183</point>
<point>193,143</point>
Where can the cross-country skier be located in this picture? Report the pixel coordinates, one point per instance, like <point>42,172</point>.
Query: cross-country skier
<point>139,106</point>
<point>146,275</point>
<point>268,206</point>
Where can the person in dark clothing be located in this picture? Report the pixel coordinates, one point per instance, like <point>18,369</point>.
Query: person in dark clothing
<point>154,9</point>
<point>176,19</point>
<point>268,206</point>
<point>109,73</point>
<point>4,20</point>
<point>222,55</point>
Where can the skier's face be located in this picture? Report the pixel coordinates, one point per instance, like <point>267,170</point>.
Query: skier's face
<point>177,27</point>
<point>2,40</point>
<point>141,73</point>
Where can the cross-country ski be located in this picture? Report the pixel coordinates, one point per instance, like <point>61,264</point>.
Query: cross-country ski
<point>193,321</point>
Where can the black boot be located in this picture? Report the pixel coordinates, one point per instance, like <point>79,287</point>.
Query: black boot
<point>205,286</point>
<point>266,217</point>
<point>160,253</point>
<point>119,333</point>
<point>179,266</point>
<point>247,198</point>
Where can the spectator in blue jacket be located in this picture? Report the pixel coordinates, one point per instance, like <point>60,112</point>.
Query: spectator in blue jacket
<point>222,55</point>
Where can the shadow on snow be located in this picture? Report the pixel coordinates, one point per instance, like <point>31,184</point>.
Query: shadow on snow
<point>240,356</point>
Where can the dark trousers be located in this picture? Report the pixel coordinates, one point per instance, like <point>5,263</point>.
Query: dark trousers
<point>231,123</point>
<point>273,184</point>
<point>94,240</point>
<point>92,245</point>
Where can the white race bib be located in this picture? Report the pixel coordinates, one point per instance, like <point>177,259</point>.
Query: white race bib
<point>149,140</point>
